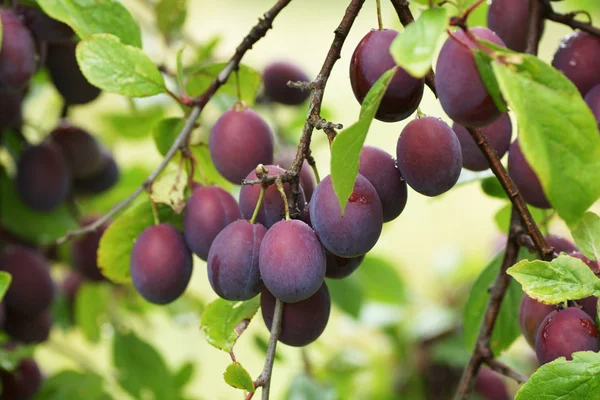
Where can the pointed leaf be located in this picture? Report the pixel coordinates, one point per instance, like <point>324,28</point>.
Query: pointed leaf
<point>587,236</point>
<point>235,375</point>
<point>224,321</point>
<point>249,79</point>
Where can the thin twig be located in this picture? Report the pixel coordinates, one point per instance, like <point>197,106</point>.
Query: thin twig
<point>505,370</point>
<point>534,29</point>
<point>264,379</point>
<point>256,33</point>
<point>568,20</point>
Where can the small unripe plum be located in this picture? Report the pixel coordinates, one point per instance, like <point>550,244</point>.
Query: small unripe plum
<point>429,156</point>
<point>82,151</point>
<point>565,332</point>
<point>17,53</point>
<point>577,57</point>
<point>292,261</point>
<point>525,178</point>
<point>302,322</point>
<point>380,169</point>
<point>498,133</point>
<point>275,79</point>
<point>462,93</point>
<point>31,290</point>
<point>161,264</point>
<point>531,315</point>
<point>22,383</point>
<point>355,233</point>
<point>233,270</point>
<point>272,208</point>
<point>207,212</point>
<point>66,75</point>
<point>43,177</point>
<point>370,60</point>
<point>239,141</point>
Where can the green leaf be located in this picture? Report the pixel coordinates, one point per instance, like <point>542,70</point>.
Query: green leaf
<point>304,387</point>
<point>114,252</point>
<point>492,187</point>
<point>413,49</point>
<point>587,236</point>
<point>486,72</point>
<point>10,358</point>
<point>141,368</point>
<point>200,79</point>
<point>565,278</point>
<point>179,63</point>
<point>207,173</point>
<point>224,321</point>
<point>502,217</point>
<point>91,309</point>
<point>347,294</point>
<point>263,345</point>
<point>381,281</point>
<point>235,375</point>
<point>38,227</point>
<point>565,380</point>
<point>133,124</point>
<point>346,147</point>
<point>87,17</point>
<point>170,17</point>
<point>169,189</point>
<point>557,132</point>
<point>5,279</point>
<point>506,329</point>
<point>73,385</point>
<point>184,375</point>
<point>118,68</point>
<point>165,132</point>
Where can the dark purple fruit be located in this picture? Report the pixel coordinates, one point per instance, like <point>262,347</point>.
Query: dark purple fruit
<point>161,264</point>
<point>44,28</point>
<point>462,93</point>
<point>509,19</point>
<point>85,251</point>
<point>489,385</point>
<point>31,290</point>
<point>207,212</point>
<point>275,79</point>
<point>339,267</point>
<point>284,158</point>
<point>28,329</point>
<point>66,75</point>
<point>302,322</point>
<point>560,244</point>
<point>355,233</point>
<point>380,169</point>
<point>10,108</point>
<point>82,151</point>
<point>429,156</point>
<point>531,315</point>
<point>43,177</point>
<point>592,98</point>
<point>22,383</point>
<point>233,270</point>
<point>565,332</point>
<point>239,141</point>
<point>525,178</point>
<point>272,208</point>
<point>370,60</point>
<point>498,133</point>
<point>17,53</point>
<point>292,261</point>
<point>103,180</point>
<point>577,57</point>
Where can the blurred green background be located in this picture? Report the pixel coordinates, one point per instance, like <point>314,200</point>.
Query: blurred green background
<point>437,246</point>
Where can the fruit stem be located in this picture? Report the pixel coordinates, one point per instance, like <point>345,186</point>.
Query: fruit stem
<point>237,84</point>
<point>379,20</point>
<point>279,185</point>
<point>258,204</point>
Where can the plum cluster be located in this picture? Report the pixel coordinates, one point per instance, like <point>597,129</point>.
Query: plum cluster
<point>26,313</point>
<point>555,332</point>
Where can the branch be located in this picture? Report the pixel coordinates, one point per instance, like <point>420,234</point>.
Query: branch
<point>264,379</point>
<point>568,20</point>
<point>406,17</point>
<point>535,24</point>
<point>256,33</point>
<point>505,370</point>
<point>482,351</point>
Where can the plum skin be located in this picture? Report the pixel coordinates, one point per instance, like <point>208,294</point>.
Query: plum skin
<point>233,261</point>
<point>17,55</point>
<point>29,329</point>
<point>358,230</point>
<point>429,156</point>
<point>577,58</point>
<point>275,79</point>
<point>81,150</point>
<point>302,322</point>
<point>525,178</point>
<point>592,98</point>
<point>511,27</point>
<point>161,264</point>
<point>564,332</point>
<point>238,142</point>
<point>531,315</point>
<point>370,60</point>
<point>272,208</point>
<point>460,89</point>
<point>207,212</point>
<point>85,251</point>
<point>107,177</point>
<point>22,383</point>
<point>292,261</point>
<point>498,134</point>
<point>340,267</point>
